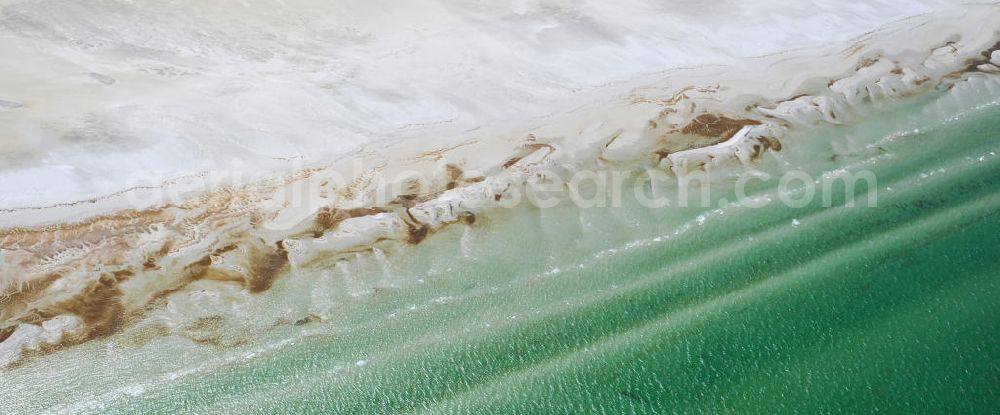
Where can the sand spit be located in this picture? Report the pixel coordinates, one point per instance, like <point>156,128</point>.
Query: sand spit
<point>67,281</point>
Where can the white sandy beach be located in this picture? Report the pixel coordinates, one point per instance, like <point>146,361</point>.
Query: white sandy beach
<point>144,122</point>
<point>102,97</point>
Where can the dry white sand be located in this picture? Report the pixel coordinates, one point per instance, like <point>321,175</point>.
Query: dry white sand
<point>101,97</point>
<point>141,111</point>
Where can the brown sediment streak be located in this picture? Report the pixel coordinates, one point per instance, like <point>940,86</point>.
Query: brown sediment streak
<point>89,228</point>
<point>867,62</point>
<point>661,154</point>
<point>454,174</point>
<point>5,332</point>
<point>770,143</point>
<point>467,218</point>
<point>527,150</point>
<point>359,186</point>
<point>312,318</point>
<point>972,65</point>
<point>99,306</point>
<point>192,272</point>
<point>263,265</point>
<point>150,262</point>
<point>329,217</point>
<point>266,269</point>
<point>29,289</point>
<point>716,126</point>
<point>18,304</point>
<point>417,234</point>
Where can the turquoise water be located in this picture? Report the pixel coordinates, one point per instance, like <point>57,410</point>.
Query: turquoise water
<point>819,309</point>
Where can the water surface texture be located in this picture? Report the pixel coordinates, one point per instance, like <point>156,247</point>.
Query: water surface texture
<point>818,309</point>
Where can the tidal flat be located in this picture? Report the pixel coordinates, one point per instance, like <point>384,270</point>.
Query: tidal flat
<point>811,228</point>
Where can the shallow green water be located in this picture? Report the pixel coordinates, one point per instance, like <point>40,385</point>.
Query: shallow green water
<point>894,308</point>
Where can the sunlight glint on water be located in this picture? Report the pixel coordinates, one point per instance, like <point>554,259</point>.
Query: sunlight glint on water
<point>622,310</point>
